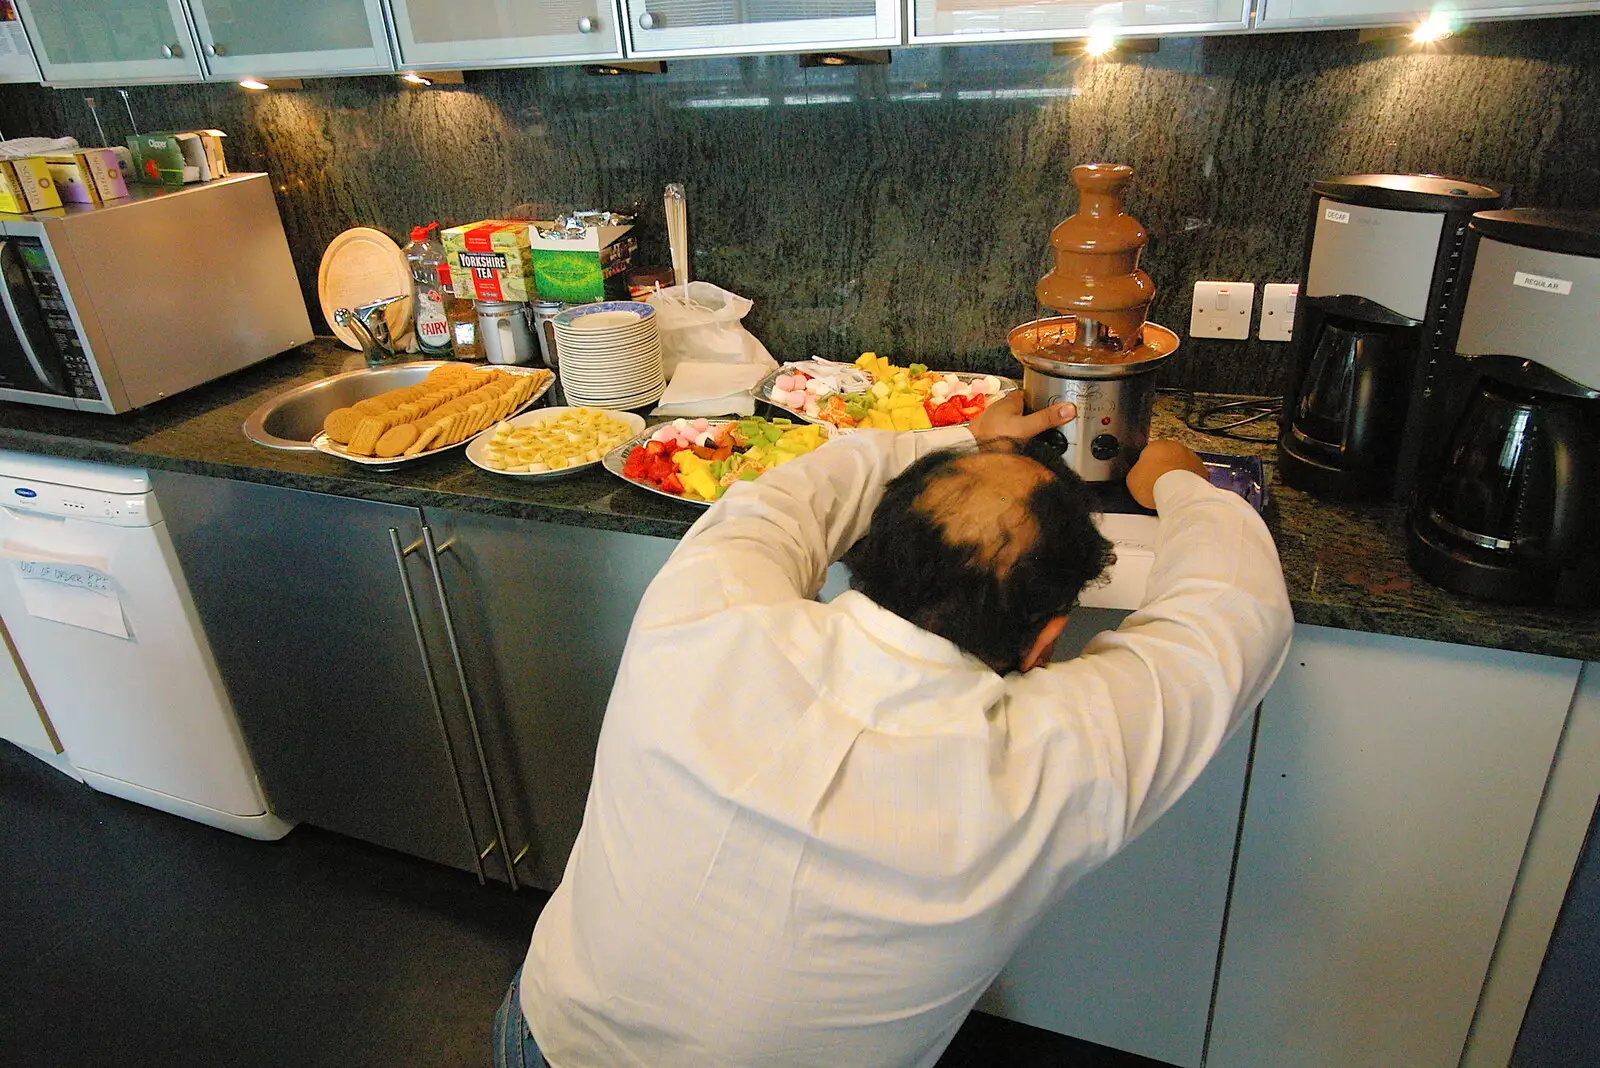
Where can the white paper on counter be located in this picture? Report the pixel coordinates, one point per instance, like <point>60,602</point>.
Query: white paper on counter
<point>76,590</point>
<point>1133,538</point>
<point>710,389</point>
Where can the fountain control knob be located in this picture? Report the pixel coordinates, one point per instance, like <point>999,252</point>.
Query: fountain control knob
<point>1104,446</point>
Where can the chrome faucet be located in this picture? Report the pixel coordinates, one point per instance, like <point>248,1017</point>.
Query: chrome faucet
<point>371,328</point>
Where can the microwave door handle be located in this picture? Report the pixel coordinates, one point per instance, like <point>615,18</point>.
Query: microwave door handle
<point>51,382</point>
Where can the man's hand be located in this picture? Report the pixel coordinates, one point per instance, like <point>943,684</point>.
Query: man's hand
<point>1004,419</point>
<point>1157,459</point>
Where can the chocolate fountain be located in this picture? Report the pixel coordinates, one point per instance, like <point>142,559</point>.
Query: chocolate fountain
<point>1098,351</point>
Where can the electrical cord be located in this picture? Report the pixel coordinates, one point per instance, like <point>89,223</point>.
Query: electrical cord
<point>1222,416</point>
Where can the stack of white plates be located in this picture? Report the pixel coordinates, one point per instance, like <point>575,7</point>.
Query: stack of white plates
<point>610,355</point>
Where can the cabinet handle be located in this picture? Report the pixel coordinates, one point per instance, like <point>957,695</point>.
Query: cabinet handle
<point>587,25</point>
<point>400,555</point>
<point>434,552</point>
<point>647,21</point>
<point>172,51</point>
<point>216,50</point>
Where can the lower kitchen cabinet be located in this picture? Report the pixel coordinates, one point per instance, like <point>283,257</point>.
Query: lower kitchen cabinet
<point>433,682</point>
<point>1394,788</point>
<point>1128,957</point>
<point>540,614</point>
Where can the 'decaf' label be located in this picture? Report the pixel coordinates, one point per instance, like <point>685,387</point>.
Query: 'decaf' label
<point>1335,215</point>
<point>1559,286</point>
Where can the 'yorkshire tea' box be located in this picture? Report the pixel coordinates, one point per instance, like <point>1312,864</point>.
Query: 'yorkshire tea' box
<point>582,269</point>
<point>490,260</point>
<point>26,185</point>
<point>105,167</point>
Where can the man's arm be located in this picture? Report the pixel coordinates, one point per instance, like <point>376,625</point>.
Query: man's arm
<point>1183,670</point>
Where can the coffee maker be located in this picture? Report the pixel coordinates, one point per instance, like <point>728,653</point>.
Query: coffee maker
<point>1378,307</point>
<point>1508,501</point>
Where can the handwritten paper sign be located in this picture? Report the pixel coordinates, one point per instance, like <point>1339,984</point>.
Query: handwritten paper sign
<point>77,576</point>
<point>67,590</point>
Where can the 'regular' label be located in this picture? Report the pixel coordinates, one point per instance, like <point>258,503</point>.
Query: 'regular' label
<point>1559,286</point>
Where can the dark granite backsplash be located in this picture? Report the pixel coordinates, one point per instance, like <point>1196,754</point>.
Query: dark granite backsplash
<point>907,208</point>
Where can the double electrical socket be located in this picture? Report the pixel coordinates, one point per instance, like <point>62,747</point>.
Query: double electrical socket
<point>1221,310</point>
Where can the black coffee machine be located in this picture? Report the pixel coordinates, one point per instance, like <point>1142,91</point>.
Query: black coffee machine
<point>1379,305</point>
<point>1508,498</point>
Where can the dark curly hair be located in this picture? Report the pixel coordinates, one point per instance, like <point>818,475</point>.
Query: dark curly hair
<point>982,548</point>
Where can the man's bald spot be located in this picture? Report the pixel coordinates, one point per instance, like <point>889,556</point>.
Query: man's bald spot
<point>981,500</point>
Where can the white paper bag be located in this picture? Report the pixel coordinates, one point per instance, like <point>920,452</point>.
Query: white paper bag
<point>701,323</point>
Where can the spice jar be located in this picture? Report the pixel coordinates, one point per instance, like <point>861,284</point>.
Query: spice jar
<point>464,330</point>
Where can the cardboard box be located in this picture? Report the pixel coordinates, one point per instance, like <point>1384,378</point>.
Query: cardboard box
<point>158,159</point>
<point>211,140</point>
<point>581,270</point>
<point>490,260</point>
<point>11,199</point>
<point>105,168</point>
<point>29,185</point>
<point>74,183</point>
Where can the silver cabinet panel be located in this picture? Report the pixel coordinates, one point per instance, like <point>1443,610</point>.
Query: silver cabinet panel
<point>1394,787</point>
<point>303,603</point>
<point>1315,14</point>
<point>1127,958</point>
<point>541,614</point>
<point>666,28</point>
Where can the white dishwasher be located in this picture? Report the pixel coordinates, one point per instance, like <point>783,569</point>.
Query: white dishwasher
<point>102,621</point>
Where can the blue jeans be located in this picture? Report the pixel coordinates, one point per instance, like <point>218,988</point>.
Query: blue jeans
<point>513,1042</point>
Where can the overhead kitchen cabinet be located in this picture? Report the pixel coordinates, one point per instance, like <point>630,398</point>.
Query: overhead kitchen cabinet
<point>670,28</point>
<point>289,38</point>
<point>430,681</point>
<point>1392,796</point>
<point>960,21</point>
<point>16,55</point>
<point>488,33</point>
<point>1332,14</point>
<point>110,42</point>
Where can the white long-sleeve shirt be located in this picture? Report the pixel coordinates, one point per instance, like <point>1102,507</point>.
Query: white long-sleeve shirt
<point>817,832</point>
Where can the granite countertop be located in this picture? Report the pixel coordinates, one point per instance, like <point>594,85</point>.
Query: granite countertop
<point>1344,564</point>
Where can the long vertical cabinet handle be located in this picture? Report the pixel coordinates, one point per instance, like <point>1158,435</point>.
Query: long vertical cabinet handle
<point>434,552</point>
<point>400,555</point>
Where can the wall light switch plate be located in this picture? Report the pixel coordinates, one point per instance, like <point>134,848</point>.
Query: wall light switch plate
<point>1277,311</point>
<point>1221,310</point>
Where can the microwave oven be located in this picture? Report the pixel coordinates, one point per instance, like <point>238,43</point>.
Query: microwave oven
<point>114,306</point>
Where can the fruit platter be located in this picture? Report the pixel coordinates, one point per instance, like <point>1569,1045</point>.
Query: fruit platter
<point>696,460</point>
<point>874,394</point>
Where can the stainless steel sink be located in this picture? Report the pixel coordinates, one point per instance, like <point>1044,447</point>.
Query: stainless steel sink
<point>290,420</point>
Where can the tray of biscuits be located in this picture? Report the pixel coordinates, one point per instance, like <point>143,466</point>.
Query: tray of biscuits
<point>444,411</point>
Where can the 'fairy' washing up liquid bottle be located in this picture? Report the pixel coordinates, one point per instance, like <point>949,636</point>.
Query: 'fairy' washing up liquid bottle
<point>426,256</point>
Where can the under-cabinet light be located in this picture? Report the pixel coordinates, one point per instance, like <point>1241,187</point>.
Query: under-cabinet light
<point>1436,27</point>
<point>414,78</point>
<point>253,83</point>
<point>1101,41</point>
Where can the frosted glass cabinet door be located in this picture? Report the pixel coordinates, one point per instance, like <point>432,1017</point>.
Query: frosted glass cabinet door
<point>739,27</point>
<point>1281,13</point>
<point>252,38</point>
<point>110,42</point>
<point>480,33</point>
<point>1004,20</point>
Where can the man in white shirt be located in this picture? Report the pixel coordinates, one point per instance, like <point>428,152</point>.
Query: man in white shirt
<point>816,832</point>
